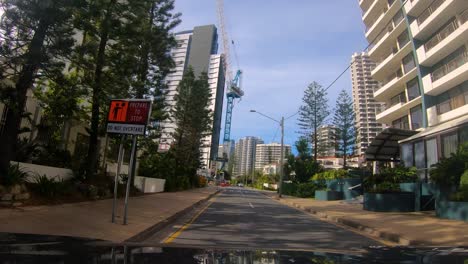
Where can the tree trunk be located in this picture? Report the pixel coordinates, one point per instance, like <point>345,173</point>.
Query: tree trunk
<point>93,149</point>
<point>14,114</point>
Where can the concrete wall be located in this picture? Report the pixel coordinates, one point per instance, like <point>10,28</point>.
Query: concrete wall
<point>149,185</point>
<point>51,172</point>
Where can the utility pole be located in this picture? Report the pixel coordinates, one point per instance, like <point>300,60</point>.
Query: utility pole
<point>281,159</point>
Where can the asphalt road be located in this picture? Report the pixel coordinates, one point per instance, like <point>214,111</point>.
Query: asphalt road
<point>241,218</point>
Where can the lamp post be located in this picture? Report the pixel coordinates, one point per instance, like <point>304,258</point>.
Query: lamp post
<point>281,123</point>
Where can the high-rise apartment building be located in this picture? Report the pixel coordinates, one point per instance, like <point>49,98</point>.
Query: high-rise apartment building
<point>245,155</point>
<point>269,153</point>
<point>326,142</point>
<point>420,51</point>
<point>364,104</point>
<point>198,49</point>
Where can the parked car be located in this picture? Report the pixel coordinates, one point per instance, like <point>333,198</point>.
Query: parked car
<point>240,184</point>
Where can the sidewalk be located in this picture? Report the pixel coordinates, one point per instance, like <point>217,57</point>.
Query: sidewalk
<point>418,228</point>
<point>93,219</point>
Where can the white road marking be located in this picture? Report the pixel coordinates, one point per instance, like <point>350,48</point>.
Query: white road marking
<point>251,205</point>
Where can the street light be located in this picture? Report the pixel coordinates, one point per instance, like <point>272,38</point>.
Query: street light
<point>281,123</point>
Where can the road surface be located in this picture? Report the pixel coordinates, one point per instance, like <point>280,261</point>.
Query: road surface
<point>243,218</point>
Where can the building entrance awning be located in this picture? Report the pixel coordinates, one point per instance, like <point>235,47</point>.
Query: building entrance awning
<point>385,146</point>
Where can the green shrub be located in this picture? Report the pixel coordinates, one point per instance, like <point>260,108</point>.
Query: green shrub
<point>464,179</point>
<point>448,171</point>
<point>389,179</point>
<point>461,195</point>
<point>303,190</point>
<point>307,190</point>
<point>45,187</point>
<point>330,175</point>
<point>14,176</point>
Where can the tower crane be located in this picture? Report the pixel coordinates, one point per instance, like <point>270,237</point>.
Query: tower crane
<point>234,84</point>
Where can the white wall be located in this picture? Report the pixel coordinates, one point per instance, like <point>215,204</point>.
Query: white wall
<point>51,172</point>
<point>149,185</point>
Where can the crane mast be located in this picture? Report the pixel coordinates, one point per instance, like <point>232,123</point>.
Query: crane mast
<point>234,90</point>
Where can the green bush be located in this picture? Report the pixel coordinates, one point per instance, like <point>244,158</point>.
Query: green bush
<point>389,179</point>
<point>448,171</point>
<point>45,187</point>
<point>461,195</point>
<point>303,190</point>
<point>14,176</point>
<point>464,179</point>
<point>330,175</point>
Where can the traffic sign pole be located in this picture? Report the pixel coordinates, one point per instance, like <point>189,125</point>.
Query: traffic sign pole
<point>117,174</point>
<point>129,178</point>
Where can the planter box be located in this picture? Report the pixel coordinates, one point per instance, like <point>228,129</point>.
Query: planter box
<point>452,210</point>
<point>343,185</point>
<point>389,202</point>
<point>328,195</point>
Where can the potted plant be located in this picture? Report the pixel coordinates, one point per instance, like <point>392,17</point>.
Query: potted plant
<point>451,177</point>
<point>382,192</point>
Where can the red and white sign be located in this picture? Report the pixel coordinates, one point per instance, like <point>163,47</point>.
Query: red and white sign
<point>128,116</point>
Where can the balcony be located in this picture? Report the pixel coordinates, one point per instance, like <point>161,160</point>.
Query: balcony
<point>434,118</point>
<point>394,85</point>
<point>397,110</point>
<point>437,15</point>
<point>392,61</point>
<point>416,7</point>
<point>447,76</point>
<point>445,42</point>
<point>372,13</point>
<point>386,39</point>
<point>377,25</point>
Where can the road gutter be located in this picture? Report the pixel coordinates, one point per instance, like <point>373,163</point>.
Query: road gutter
<point>387,238</point>
<point>147,233</point>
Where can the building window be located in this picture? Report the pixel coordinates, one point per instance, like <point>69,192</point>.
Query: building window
<point>419,160</point>
<point>431,152</point>
<point>449,144</point>
<point>416,117</point>
<point>408,63</point>
<point>452,99</point>
<point>412,87</point>
<point>449,64</point>
<point>407,154</point>
<point>401,123</point>
<point>403,39</point>
<point>464,134</point>
<point>401,98</point>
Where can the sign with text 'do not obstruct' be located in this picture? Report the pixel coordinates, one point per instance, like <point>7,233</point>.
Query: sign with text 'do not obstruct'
<point>128,116</point>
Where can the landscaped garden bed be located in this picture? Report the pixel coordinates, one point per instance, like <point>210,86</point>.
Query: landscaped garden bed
<point>451,174</point>
<point>385,192</point>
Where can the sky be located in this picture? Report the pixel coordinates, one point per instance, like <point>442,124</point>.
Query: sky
<point>282,47</point>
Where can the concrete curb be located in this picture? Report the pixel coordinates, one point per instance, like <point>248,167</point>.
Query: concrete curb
<point>145,234</point>
<point>357,226</point>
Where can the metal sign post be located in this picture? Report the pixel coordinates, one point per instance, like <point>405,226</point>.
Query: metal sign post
<point>117,174</point>
<point>129,178</point>
<point>127,117</point>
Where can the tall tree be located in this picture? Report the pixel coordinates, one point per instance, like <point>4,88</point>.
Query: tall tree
<point>313,112</point>
<point>344,121</point>
<point>124,53</point>
<point>36,39</point>
<point>304,166</point>
<point>151,45</point>
<point>193,119</point>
